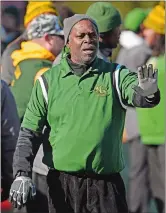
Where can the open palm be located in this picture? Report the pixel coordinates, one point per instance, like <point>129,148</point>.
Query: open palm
<point>147,79</point>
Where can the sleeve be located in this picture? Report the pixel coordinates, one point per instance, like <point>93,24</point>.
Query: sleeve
<point>10,125</point>
<point>27,146</point>
<point>30,134</point>
<point>36,113</point>
<point>124,82</point>
<point>57,60</point>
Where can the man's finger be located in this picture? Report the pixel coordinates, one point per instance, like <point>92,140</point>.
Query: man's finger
<point>150,71</point>
<point>11,196</point>
<point>140,73</point>
<point>19,201</point>
<point>145,71</point>
<point>26,190</point>
<point>15,199</point>
<point>155,75</point>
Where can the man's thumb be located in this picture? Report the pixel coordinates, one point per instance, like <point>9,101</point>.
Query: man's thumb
<point>136,89</point>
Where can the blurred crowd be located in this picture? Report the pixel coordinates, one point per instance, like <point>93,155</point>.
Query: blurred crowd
<point>30,51</point>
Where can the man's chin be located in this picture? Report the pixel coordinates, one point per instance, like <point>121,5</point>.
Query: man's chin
<point>88,59</point>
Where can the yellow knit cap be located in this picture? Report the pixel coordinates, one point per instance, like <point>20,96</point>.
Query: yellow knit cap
<point>35,9</point>
<point>156,19</point>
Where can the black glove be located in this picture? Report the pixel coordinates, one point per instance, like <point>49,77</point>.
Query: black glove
<point>21,191</point>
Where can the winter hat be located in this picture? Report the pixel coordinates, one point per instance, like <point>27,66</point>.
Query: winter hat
<point>156,19</point>
<point>35,9</point>
<point>45,23</point>
<point>106,16</point>
<point>135,18</point>
<point>71,21</point>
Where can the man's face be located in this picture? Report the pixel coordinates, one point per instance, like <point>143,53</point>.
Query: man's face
<point>112,38</point>
<point>150,37</point>
<point>83,42</point>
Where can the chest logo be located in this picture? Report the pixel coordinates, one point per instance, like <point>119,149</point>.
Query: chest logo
<point>101,91</point>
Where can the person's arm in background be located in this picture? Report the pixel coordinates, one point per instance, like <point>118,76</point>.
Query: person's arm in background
<point>10,125</point>
<point>63,54</point>
<point>28,143</point>
<point>134,58</point>
<point>57,60</point>
<point>137,90</point>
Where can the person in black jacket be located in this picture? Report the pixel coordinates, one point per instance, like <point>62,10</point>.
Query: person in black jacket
<point>10,125</point>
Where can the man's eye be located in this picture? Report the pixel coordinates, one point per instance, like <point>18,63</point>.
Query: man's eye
<point>81,36</point>
<point>93,35</point>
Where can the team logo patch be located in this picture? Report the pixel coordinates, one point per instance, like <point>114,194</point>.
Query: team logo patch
<point>101,91</point>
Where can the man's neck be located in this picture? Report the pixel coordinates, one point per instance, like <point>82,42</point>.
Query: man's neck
<point>78,69</point>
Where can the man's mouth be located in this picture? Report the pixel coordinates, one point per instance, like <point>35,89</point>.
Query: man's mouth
<point>88,50</point>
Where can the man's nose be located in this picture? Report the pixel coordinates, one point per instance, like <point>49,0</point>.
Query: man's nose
<point>87,39</point>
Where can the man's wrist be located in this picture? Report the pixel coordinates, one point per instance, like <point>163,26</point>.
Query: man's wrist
<point>154,97</point>
<point>22,173</point>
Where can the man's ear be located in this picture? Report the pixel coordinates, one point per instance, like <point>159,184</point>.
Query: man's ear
<point>47,37</point>
<point>68,42</point>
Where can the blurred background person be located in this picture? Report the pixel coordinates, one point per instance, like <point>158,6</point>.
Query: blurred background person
<point>10,21</point>
<point>108,20</point>
<point>10,126</point>
<point>33,9</point>
<point>135,52</point>
<point>151,122</point>
<point>132,41</point>
<point>152,35</point>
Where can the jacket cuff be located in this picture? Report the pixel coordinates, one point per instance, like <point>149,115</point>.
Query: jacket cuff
<point>154,99</point>
<point>146,102</point>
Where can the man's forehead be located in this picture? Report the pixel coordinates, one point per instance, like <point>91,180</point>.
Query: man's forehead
<point>84,24</point>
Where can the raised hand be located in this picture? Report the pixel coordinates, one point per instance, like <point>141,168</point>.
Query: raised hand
<point>147,79</point>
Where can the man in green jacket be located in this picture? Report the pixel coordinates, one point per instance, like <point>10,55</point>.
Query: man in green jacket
<point>84,100</point>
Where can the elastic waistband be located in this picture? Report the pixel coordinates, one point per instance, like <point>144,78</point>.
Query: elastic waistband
<point>91,175</point>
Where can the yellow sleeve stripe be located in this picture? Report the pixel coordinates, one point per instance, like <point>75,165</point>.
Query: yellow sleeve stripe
<point>40,72</point>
